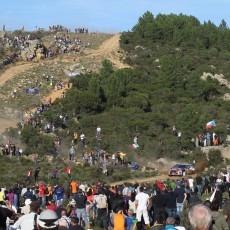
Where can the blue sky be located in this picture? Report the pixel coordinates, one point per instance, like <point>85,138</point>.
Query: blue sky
<point>103,15</point>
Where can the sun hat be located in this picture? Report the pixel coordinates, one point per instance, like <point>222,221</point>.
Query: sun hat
<point>48,219</point>
<point>28,201</point>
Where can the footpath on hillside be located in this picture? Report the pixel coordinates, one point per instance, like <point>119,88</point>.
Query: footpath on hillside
<point>106,50</point>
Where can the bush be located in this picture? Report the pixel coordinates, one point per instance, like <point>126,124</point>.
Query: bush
<point>215,157</point>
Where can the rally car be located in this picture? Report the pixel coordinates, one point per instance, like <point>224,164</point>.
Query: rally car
<point>181,169</point>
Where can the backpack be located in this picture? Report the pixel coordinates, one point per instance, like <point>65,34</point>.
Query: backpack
<point>101,201</point>
<point>119,221</point>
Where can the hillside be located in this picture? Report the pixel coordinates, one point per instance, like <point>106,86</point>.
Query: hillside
<point>152,82</point>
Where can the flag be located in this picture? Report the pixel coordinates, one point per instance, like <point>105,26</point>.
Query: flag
<point>31,91</point>
<point>212,196</point>
<point>135,146</point>
<point>210,124</point>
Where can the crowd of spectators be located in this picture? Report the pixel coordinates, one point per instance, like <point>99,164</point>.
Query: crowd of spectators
<point>81,30</point>
<point>160,205</point>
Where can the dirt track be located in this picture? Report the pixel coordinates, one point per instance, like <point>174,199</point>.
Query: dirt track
<point>106,50</point>
<point>161,177</point>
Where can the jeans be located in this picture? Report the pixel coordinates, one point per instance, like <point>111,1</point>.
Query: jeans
<point>43,198</point>
<point>180,207</point>
<point>102,218</point>
<point>158,211</point>
<point>16,200</point>
<point>199,188</point>
<point>171,212</point>
<point>81,212</point>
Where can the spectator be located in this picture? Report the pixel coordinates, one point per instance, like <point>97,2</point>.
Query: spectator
<point>177,224</point>
<point>226,211</point>
<point>64,220</point>
<point>218,218</point>
<point>48,220</point>
<point>4,213</point>
<point>200,217</point>
<point>26,209</point>
<point>199,184</point>
<point>159,204</point>
<point>181,198</point>
<point>27,221</point>
<point>142,202</point>
<point>170,200</point>
<point>159,223</point>
<point>102,209</point>
<point>170,221</point>
<point>81,199</point>
<point>74,224</point>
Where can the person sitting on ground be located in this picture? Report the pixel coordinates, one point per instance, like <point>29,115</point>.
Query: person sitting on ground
<point>200,217</point>
<point>170,224</point>
<point>177,224</point>
<point>51,205</point>
<point>219,221</point>
<point>129,219</point>
<point>74,224</point>
<point>159,223</point>
<point>64,220</point>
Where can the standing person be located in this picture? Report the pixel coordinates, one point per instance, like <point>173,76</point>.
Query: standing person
<point>74,187</point>
<point>82,138</point>
<point>28,221</point>
<point>181,198</point>
<point>4,213</point>
<point>191,184</point>
<point>81,200</point>
<point>17,192</point>
<point>36,173</point>
<point>42,194</point>
<point>142,202</point>
<point>68,171</point>
<point>71,153</point>
<point>98,131</point>
<point>159,204</point>
<point>2,195</point>
<point>54,174</point>
<point>28,175</point>
<point>199,184</point>
<point>100,201</point>
<point>75,136</point>
<point>170,200</point>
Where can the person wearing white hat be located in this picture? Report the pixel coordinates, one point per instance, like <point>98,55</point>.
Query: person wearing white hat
<point>26,209</point>
<point>28,221</point>
<point>48,220</point>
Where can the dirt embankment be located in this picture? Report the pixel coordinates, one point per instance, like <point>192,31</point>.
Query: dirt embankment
<point>107,49</point>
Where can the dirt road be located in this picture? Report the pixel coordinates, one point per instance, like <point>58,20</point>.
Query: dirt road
<point>161,177</point>
<point>106,50</point>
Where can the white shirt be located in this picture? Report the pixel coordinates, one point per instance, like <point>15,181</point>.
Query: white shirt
<point>26,222</point>
<point>190,181</point>
<point>82,136</point>
<point>142,199</point>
